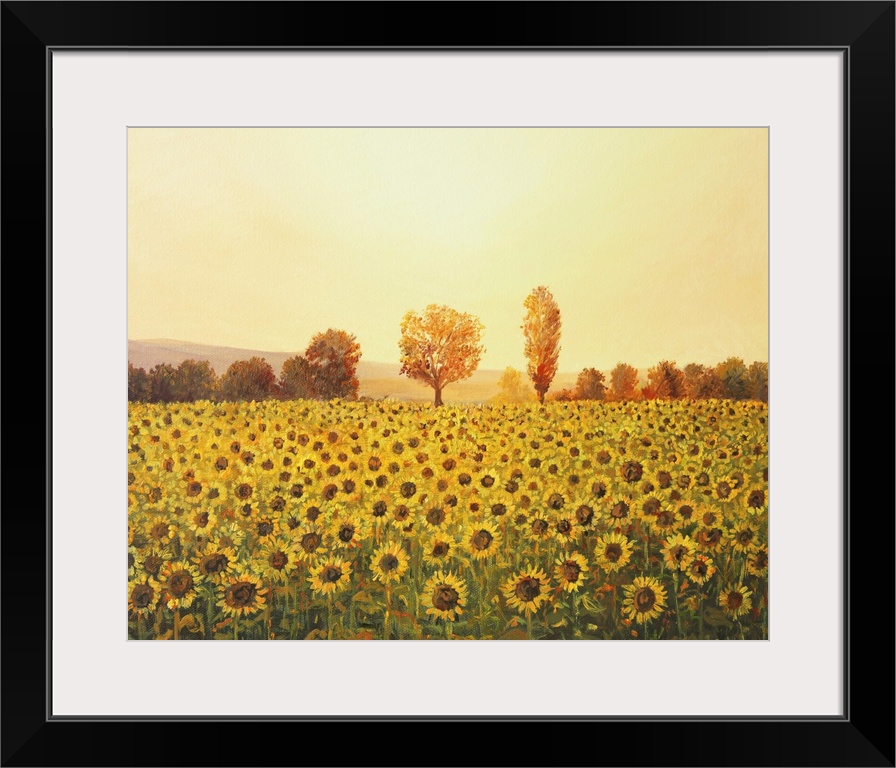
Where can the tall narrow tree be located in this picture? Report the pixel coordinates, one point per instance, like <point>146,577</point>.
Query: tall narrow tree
<point>541,327</point>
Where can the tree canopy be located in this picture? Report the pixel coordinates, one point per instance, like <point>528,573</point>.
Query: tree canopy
<point>440,346</point>
<point>541,328</point>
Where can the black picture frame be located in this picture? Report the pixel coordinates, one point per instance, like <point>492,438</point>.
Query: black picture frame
<point>863,31</point>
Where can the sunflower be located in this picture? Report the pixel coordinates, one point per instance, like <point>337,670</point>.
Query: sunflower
<point>564,530</point>
<point>482,539</point>
<point>571,571</point>
<point>644,599</point>
<point>613,551</point>
<point>619,513</point>
<point>347,533</point>
<point>389,562</point>
<point>528,590</point>
<point>438,549</point>
<point>202,522</point>
<point>230,535</point>
<point>309,543</point>
<point>277,560</point>
<point>242,594</point>
<point>538,526</point>
<point>744,538</point>
<point>436,517</point>
<point>330,575</point>
<point>735,600</point>
<point>179,581</point>
<point>215,562</point>
<point>161,530</point>
<point>712,539</point>
<point>679,551</point>
<point>701,569</point>
<point>143,595</point>
<point>757,561</point>
<point>445,595</point>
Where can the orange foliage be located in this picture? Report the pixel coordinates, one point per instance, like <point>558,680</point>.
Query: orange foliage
<point>440,346</point>
<point>541,327</point>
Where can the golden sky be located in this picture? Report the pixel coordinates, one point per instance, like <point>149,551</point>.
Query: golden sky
<point>653,241</point>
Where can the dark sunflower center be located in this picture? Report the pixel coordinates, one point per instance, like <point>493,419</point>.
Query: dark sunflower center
<point>310,542</point>
<point>613,552</point>
<point>265,528</point>
<point>159,531</point>
<point>498,510</point>
<point>388,562</point>
<point>584,515</point>
<point>619,511</point>
<point>278,561</point>
<point>180,583</point>
<point>213,563</point>
<point>142,595</point>
<point>539,526</point>
<point>745,536</point>
<point>678,553</point>
<point>564,526</point>
<point>244,491</point>
<point>445,597</point>
<point>665,519</point>
<point>152,564</point>
<point>711,537</point>
<point>735,600</point>
<point>761,559</point>
<point>527,589</point>
<point>488,481</point>
<point>241,594</point>
<point>699,568</point>
<point>645,599</point>
<point>435,516</point>
<point>482,540</point>
<point>756,499</point>
<point>570,570</point>
<point>346,533</point>
<point>408,490</point>
<point>555,501</point>
<point>201,520</point>
<point>440,549</point>
<point>331,574</point>
<point>685,511</point>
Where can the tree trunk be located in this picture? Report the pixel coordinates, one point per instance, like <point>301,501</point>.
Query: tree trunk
<point>438,396</point>
<point>541,397</point>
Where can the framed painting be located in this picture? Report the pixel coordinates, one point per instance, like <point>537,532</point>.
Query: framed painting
<point>447,446</point>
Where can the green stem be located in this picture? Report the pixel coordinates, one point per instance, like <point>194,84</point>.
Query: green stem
<point>528,625</point>
<point>677,610</point>
<point>177,623</point>
<point>236,626</point>
<point>388,608</point>
<point>330,616</point>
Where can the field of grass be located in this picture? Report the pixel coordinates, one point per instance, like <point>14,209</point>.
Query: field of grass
<point>396,520</point>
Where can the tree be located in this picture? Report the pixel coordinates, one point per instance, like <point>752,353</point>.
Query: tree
<point>701,382</point>
<point>513,388</point>
<point>757,382</point>
<point>162,386</point>
<point>297,379</point>
<point>590,385</point>
<point>666,381</point>
<point>252,379</point>
<point>440,346</point>
<point>733,375</point>
<point>623,382</point>
<point>194,380</point>
<point>541,327</point>
<point>139,388</point>
<point>334,357</point>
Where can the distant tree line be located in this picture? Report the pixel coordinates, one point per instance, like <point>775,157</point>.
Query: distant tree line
<point>327,370</point>
<point>731,379</point>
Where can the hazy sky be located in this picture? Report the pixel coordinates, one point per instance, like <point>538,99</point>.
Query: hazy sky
<point>652,241</point>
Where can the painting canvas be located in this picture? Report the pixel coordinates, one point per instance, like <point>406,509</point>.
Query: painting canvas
<point>435,384</point>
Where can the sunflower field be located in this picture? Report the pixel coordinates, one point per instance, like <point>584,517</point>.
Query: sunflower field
<point>393,520</point>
